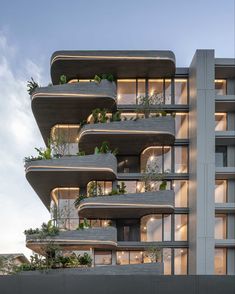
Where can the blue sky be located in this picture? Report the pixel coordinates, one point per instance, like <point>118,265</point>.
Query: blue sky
<point>29,33</point>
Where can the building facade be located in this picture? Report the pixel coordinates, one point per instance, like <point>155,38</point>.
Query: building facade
<point>147,151</point>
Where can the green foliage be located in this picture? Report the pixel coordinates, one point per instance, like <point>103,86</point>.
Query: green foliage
<point>116,116</point>
<point>79,199</point>
<point>84,225</point>
<point>31,86</point>
<point>99,115</point>
<point>122,188</point>
<point>85,259</point>
<point>153,253</point>
<point>95,115</point>
<point>105,149</point>
<point>63,79</point>
<point>163,185</point>
<point>81,153</point>
<point>109,77</point>
<point>47,229</point>
<point>44,153</point>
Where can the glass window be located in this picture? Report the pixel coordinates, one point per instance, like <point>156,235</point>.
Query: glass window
<point>181,125</point>
<point>168,85</point>
<point>220,191</point>
<point>141,88</point>
<point>181,227</point>
<point>167,227</point>
<point>220,121</point>
<point>180,261</point>
<point>151,228</point>
<point>220,87</point>
<point>136,257</point>
<point>122,257</point>
<point>103,257</point>
<point>181,159</point>
<point>64,139</point>
<point>99,188</point>
<point>126,91</point>
<point>65,212</point>
<point>220,226</point>
<point>181,91</point>
<point>131,186</point>
<point>128,164</point>
<point>167,256</point>
<point>181,193</point>
<point>220,156</point>
<point>156,88</point>
<point>220,263</point>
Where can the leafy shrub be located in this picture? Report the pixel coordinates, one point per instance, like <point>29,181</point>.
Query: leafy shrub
<point>32,86</point>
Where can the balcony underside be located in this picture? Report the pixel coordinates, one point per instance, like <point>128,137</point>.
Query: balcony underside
<point>127,206</point>
<point>121,64</point>
<point>45,175</point>
<point>224,103</point>
<point>70,103</point>
<point>130,137</point>
<point>72,240</point>
<point>225,138</point>
<point>222,173</point>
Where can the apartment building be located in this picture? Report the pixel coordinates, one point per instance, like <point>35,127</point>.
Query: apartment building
<point>149,148</point>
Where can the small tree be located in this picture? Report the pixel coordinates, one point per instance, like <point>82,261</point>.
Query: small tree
<point>153,253</point>
<point>146,102</point>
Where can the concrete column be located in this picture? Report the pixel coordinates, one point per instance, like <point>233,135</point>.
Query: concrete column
<point>201,163</point>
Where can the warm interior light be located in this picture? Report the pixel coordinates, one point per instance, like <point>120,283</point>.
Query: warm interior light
<point>151,219</point>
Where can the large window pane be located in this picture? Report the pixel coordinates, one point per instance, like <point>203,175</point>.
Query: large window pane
<point>126,91</point>
<point>181,125</point>
<point>181,159</point>
<point>181,91</point>
<point>152,160</point>
<point>220,121</point>
<point>220,263</point>
<point>168,85</point>
<point>122,257</point>
<point>151,228</point>
<point>181,193</point>
<point>141,86</point>
<point>167,159</point>
<point>220,191</point>
<point>167,256</point>
<point>181,225</point>
<point>155,88</point>
<point>103,257</point>
<point>180,261</point>
<point>136,257</point>
<point>99,188</point>
<point>220,226</point>
<point>167,227</point>
<point>220,87</point>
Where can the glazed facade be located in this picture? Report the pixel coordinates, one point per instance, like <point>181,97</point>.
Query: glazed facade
<point>187,138</point>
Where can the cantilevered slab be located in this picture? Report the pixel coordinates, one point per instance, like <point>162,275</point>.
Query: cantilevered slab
<point>77,239</point>
<point>133,205</point>
<point>130,137</point>
<point>70,171</point>
<point>122,64</point>
<point>70,103</point>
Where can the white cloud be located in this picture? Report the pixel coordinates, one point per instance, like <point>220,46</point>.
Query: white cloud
<point>20,206</point>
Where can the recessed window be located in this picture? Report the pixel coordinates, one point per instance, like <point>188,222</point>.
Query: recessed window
<point>221,156</point>
<point>103,258</point>
<point>220,121</point>
<point>156,88</point>
<point>181,91</point>
<point>220,191</point>
<point>180,261</point>
<point>220,226</point>
<point>181,193</point>
<point>181,125</point>
<point>220,263</point>
<point>220,87</point>
<point>181,227</point>
<point>167,260</point>
<point>99,188</point>
<point>126,91</point>
<point>181,159</point>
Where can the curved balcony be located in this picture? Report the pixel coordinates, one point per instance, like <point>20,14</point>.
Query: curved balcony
<point>78,239</point>
<point>130,137</point>
<point>122,64</point>
<point>133,205</point>
<point>70,103</point>
<point>73,171</point>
